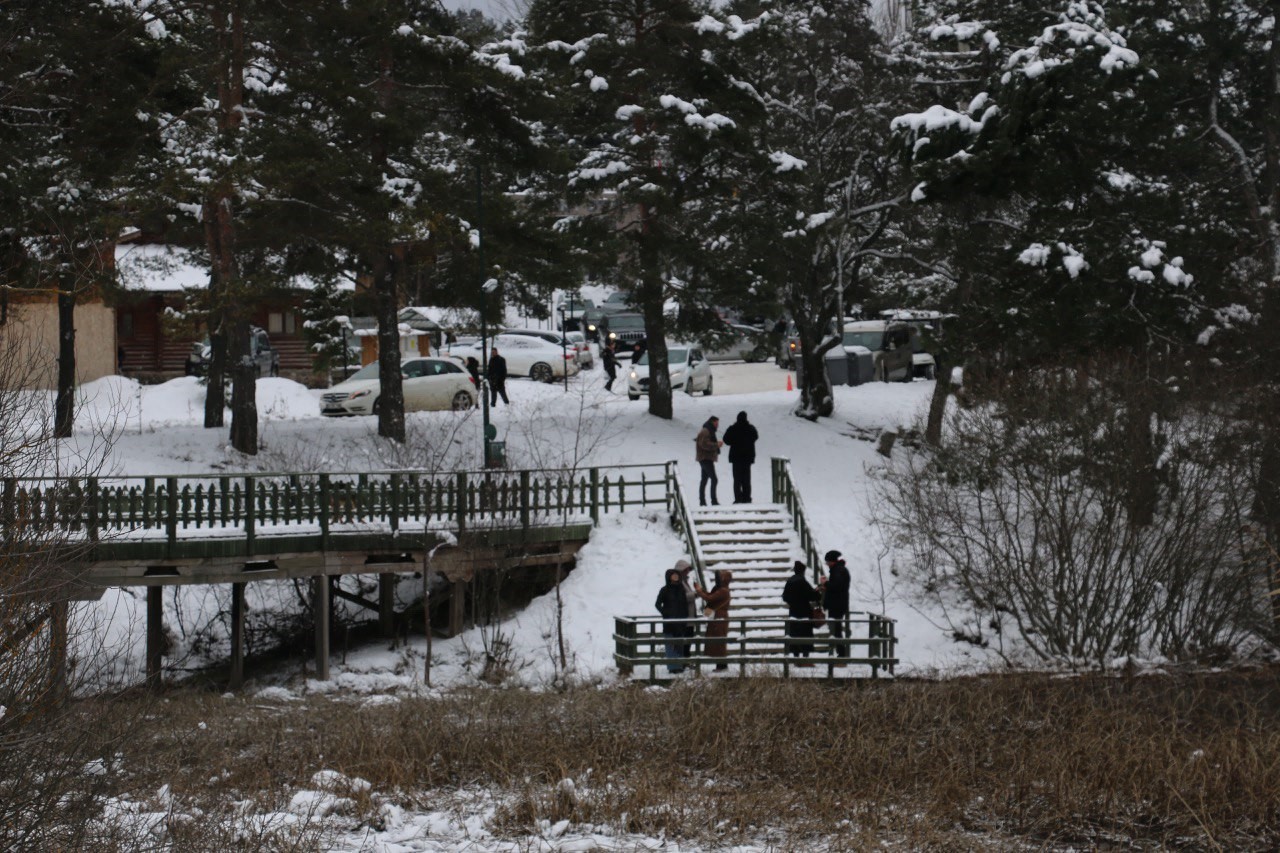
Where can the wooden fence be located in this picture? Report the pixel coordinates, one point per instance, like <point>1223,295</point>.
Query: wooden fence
<point>757,641</point>
<point>245,507</point>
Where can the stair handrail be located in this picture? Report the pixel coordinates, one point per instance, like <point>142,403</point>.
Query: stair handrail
<point>680,518</point>
<point>786,493</point>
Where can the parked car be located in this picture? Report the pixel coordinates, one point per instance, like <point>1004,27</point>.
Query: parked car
<point>688,367</point>
<point>264,356</point>
<point>890,346</point>
<point>625,329</point>
<point>617,301</point>
<point>573,342</point>
<point>430,384</point>
<point>789,346</point>
<point>740,343</point>
<point>571,311</point>
<point>928,325</point>
<point>526,355</point>
<point>586,359</point>
<point>591,322</point>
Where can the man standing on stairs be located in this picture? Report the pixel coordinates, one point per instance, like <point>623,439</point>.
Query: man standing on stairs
<point>741,438</point>
<point>708,452</point>
<point>835,597</point>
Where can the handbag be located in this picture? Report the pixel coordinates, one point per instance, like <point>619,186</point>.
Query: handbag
<point>709,612</point>
<point>818,617</point>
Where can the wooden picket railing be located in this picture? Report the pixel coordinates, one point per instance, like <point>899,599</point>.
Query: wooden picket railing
<point>245,508</point>
<point>870,641</point>
<point>684,523</point>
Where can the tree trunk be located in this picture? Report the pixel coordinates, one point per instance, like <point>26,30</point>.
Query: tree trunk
<point>938,404</point>
<point>244,390</point>
<point>390,402</point>
<point>64,405</point>
<point>655,329</point>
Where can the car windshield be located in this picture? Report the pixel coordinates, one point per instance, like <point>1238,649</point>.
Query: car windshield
<point>619,322</point>
<point>674,356</point>
<point>369,371</point>
<point>870,340</point>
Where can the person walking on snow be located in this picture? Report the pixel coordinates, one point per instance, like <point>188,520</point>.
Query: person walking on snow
<point>835,598</point>
<point>707,454</point>
<point>741,438</point>
<point>610,359</point>
<point>497,378</point>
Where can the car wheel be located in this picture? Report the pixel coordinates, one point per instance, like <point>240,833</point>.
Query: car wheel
<point>706,392</point>
<point>633,396</point>
<point>931,372</point>
<point>541,372</point>
<point>909,374</point>
<point>376,407</point>
<point>462,401</point>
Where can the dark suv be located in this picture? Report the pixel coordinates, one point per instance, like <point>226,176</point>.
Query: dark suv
<point>263,354</point>
<point>625,328</point>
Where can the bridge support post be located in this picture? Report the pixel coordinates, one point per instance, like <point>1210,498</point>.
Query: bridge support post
<point>58,648</point>
<point>320,608</point>
<point>386,604</point>
<point>457,608</point>
<point>155,635</point>
<point>236,679</point>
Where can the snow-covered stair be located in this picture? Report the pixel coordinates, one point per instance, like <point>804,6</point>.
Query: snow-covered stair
<point>758,544</point>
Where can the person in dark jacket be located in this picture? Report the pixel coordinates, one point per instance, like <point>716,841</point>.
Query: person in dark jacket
<point>610,359</point>
<point>497,378</point>
<point>673,605</point>
<point>741,438</point>
<point>718,628</point>
<point>800,598</point>
<point>473,367</point>
<point>708,451</point>
<point>835,598</point>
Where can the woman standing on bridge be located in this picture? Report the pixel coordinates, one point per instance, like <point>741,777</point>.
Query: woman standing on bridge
<point>717,602</point>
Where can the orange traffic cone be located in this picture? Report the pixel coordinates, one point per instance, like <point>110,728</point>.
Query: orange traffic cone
<point>789,388</point>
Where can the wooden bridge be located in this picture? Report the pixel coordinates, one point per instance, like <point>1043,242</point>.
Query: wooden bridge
<point>172,530</point>
<point>157,531</point>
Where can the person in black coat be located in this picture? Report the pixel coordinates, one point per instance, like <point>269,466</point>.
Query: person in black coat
<point>610,359</point>
<point>835,598</point>
<point>741,438</point>
<point>800,598</point>
<point>473,367</point>
<point>673,603</point>
<point>497,378</point>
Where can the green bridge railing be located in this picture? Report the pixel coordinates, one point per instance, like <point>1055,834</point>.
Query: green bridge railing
<point>244,508</point>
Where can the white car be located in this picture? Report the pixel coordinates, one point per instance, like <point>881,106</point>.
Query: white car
<point>430,384</point>
<point>586,360</point>
<point>526,355</point>
<point>689,370</point>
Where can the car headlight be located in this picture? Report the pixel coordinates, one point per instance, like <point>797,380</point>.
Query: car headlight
<point>359,394</point>
<point>634,375</point>
<point>590,328</point>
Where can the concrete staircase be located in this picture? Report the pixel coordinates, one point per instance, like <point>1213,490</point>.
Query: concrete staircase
<point>758,544</point>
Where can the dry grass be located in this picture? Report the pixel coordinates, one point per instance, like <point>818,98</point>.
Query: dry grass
<point>1180,761</point>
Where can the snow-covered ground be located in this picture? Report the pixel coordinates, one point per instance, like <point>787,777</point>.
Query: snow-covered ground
<point>156,430</point>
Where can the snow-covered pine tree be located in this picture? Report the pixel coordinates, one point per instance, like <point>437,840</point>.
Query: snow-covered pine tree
<point>820,217</point>
<point>657,121</point>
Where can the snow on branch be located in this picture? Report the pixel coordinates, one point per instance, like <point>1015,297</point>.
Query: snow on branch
<point>1081,32</point>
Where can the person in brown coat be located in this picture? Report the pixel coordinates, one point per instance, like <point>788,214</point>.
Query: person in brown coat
<point>718,628</point>
<point>708,451</point>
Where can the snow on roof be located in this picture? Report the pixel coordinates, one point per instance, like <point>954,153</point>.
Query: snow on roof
<point>445,318</point>
<point>162,268</point>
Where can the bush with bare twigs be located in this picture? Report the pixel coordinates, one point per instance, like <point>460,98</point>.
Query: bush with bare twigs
<point>1086,516</point>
